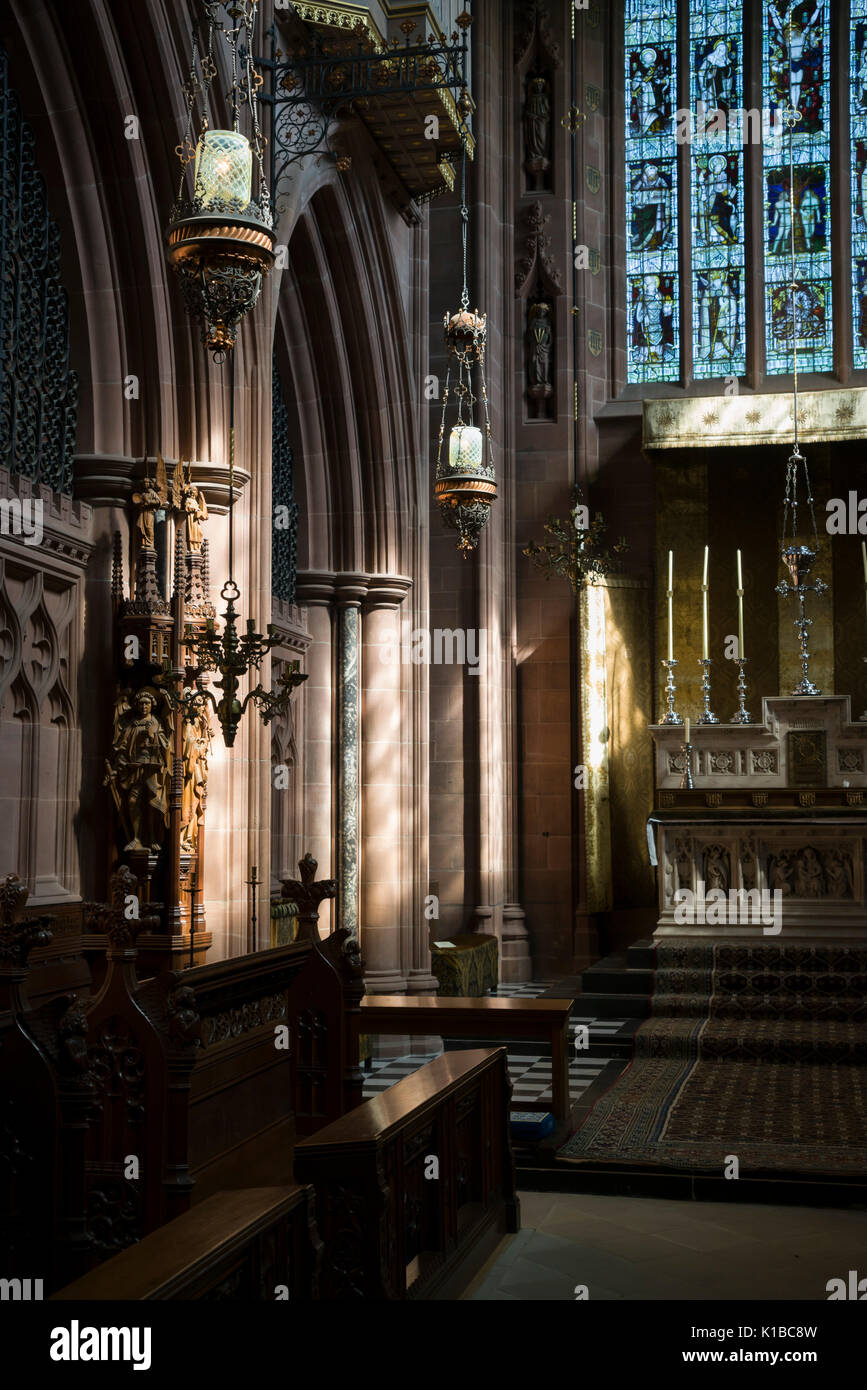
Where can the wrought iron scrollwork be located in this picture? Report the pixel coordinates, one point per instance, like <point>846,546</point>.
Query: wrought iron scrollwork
<point>284,546</point>
<point>38,389</point>
<point>311,88</point>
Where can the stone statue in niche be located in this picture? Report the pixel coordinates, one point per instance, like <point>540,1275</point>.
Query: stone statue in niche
<point>540,343</point>
<point>838,873</point>
<point>716,868</point>
<point>748,865</point>
<point>197,739</point>
<point>537,128</point>
<point>138,770</point>
<point>809,875</point>
<point>780,870</point>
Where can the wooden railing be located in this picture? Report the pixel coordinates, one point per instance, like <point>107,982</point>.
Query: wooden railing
<point>415,1186</point>
<point>488,1019</point>
<point>249,1244</point>
<point>121,1109</point>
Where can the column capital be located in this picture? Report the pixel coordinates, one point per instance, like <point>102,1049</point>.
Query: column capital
<point>350,589</point>
<point>109,480</point>
<point>387,590</point>
<point>315,586</point>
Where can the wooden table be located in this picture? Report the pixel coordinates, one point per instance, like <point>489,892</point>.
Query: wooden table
<point>492,1019</point>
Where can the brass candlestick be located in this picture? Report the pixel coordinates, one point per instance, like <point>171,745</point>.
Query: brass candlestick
<point>686,782</point>
<point>741,715</point>
<point>707,716</point>
<point>672,717</point>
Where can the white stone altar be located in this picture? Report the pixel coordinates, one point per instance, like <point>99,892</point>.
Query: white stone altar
<point>776,806</point>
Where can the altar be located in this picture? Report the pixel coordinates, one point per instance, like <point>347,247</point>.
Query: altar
<point>771,836</point>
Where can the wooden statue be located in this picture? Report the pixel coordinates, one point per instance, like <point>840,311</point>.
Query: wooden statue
<point>138,770</point>
<point>196,510</point>
<point>148,502</point>
<point>197,739</point>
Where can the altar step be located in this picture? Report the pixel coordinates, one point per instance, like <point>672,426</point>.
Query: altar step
<point>620,986</point>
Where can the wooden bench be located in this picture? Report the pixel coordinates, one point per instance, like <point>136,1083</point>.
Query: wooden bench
<point>243,1245</point>
<point>415,1187</point>
<point>492,1019</point>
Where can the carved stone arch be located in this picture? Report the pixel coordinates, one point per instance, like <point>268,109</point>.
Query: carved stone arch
<point>536,271</point>
<point>533,35</point>
<point>10,640</point>
<point>342,321</point>
<point>41,656</point>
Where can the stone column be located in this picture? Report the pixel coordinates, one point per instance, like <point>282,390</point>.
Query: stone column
<point>349,590</point>
<point>494,600</point>
<point>315,589</point>
<point>386,880</point>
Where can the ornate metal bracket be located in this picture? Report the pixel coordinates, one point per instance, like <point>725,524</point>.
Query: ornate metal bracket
<point>311,87</point>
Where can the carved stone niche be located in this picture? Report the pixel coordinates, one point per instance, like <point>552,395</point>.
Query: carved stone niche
<point>42,569</point>
<point>536,131</point>
<point>540,358</point>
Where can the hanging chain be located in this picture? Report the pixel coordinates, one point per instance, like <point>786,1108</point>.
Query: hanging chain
<point>231,465</point>
<point>465,219</point>
<point>443,417</point>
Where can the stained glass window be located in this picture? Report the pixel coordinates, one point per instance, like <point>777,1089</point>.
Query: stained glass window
<point>653,287</point>
<point>796,60</point>
<point>858,133</point>
<point>787,191</point>
<point>717,177</point>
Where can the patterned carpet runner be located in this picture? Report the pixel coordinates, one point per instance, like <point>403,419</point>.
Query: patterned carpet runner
<point>757,1051</point>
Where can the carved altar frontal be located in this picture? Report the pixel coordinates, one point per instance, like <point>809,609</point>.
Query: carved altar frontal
<point>778,811</point>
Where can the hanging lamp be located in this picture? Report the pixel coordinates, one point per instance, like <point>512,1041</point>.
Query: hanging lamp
<point>465,483</point>
<point>220,241</point>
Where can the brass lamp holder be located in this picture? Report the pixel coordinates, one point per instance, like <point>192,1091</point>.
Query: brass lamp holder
<point>234,656</point>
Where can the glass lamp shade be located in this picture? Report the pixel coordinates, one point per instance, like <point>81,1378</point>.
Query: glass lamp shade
<point>224,170</point>
<point>465,448</point>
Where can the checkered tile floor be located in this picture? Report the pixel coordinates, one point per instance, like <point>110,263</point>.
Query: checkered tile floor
<point>599,1027</point>
<point>530,1075</point>
<point>529,1066</point>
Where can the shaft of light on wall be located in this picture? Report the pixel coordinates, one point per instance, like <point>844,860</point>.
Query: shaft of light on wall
<point>705,601</point>
<point>596,719</point>
<point>671,605</point>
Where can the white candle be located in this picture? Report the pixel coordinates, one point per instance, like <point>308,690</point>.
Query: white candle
<point>686,730</point>
<point>741,652</point>
<point>705,589</point>
<point>670,607</point>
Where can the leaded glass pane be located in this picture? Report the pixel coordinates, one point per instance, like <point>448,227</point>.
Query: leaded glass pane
<point>717,177</point>
<point>653,288</point>
<point>796,60</point>
<point>858,133</point>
